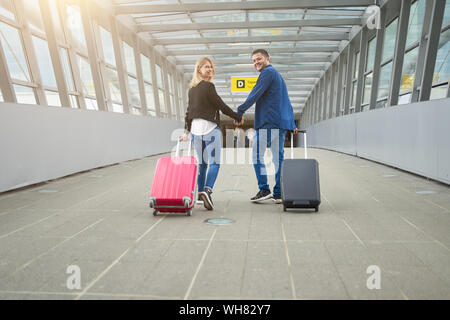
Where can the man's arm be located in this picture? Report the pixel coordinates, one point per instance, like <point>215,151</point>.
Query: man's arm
<point>263,83</point>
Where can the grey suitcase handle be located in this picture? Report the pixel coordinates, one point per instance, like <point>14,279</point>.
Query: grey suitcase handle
<point>304,142</point>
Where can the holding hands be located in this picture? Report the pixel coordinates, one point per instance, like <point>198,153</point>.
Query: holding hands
<point>240,123</point>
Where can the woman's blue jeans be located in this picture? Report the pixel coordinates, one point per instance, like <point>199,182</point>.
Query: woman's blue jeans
<point>274,139</point>
<point>207,148</point>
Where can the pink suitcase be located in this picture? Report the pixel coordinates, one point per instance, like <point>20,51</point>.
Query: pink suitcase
<point>174,184</point>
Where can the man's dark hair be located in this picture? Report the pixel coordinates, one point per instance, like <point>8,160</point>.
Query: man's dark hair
<point>262,51</point>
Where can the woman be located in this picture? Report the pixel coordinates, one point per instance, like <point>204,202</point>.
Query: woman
<point>202,121</point>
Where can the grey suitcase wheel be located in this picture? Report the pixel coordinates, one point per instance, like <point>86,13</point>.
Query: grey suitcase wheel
<point>189,213</point>
<point>316,209</point>
<point>155,212</point>
<point>284,208</point>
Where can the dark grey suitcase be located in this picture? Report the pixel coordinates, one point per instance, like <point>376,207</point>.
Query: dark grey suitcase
<point>300,187</point>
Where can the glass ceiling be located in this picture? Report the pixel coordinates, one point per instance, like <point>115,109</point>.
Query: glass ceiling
<point>301,41</point>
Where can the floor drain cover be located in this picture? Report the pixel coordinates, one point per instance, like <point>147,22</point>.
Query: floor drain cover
<point>218,221</point>
<point>387,175</point>
<point>425,192</point>
<point>48,191</point>
<point>232,191</point>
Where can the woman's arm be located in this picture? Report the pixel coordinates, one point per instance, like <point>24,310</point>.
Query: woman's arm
<point>217,102</point>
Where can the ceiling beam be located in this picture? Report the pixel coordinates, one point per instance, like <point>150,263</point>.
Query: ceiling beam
<point>250,49</point>
<point>247,5</point>
<point>249,25</point>
<point>326,36</point>
<point>251,69</point>
<point>218,62</point>
<point>177,15</point>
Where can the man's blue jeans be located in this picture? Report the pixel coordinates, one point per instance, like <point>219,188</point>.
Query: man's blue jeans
<point>274,139</point>
<point>207,148</point>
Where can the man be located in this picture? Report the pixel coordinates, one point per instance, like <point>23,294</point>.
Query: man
<point>273,117</point>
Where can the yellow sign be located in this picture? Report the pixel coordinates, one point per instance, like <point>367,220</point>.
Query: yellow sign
<point>243,84</point>
<point>407,82</point>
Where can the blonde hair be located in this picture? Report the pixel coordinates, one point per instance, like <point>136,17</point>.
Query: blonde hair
<point>197,77</point>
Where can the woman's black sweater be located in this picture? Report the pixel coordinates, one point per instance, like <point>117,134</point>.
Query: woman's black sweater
<point>205,103</point>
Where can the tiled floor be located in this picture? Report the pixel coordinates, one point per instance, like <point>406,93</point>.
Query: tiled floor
<point>100,222</point>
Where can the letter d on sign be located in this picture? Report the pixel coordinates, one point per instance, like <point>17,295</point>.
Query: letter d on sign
<point>74,280</point>
<point>374,281</point>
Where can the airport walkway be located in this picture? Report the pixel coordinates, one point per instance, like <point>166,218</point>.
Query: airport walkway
<point>99,221</point>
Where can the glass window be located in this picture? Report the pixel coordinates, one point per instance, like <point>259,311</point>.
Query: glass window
<point>439,92</point>
<point>6,9</point>
<point>381,104</point>
<point>159,78</point>
<point>107,45</point>
<point>344,71</point>
<point>45,62</point>
<point>24,94</point>
<point>113,82</point>
<point>446,14</point>
<point>53,98</point>
<point>150,99</point>
<point>146,69</point>
<point>356,65</point>
<point>134,91</point>
<point>53,4</point>
<point>171,103</point>
<point>14,54</point>
<point>67,71</point>
<point>354,93</point>
<point>442,67</point>
<point>367,88</point>
<point>415,23</point>
<point>129,58</point>
<point>33,15</point>
<point>75,25</point>
<point>404,99</point>
<point>371,54</point>
<point>409,70</point>
<point>162,104</point>
<point>170,83</point>
<point>385,78</point>
<point>136,111</point>
<point>91,104</point>
<point>73,101</point>
<point>389,40</point>
<point>117,108</point>
<point>327,115</point>
<point>114,86</point>
<point>86,76</point>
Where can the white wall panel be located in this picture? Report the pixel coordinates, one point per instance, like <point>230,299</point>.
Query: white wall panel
<point>42,143</point>
<point>413,137</point>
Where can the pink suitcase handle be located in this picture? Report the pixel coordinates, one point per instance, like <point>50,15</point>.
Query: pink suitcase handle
<point>177,153</point>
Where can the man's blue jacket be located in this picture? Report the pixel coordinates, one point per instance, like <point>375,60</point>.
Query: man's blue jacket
<point>273,107</point>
